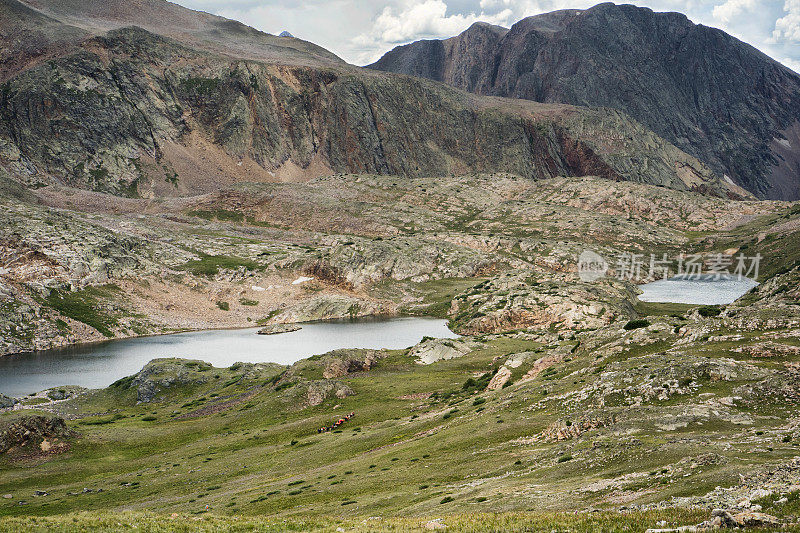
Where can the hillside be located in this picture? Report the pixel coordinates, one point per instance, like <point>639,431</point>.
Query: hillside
<point>665,420</point>
<point>39,21</point>
<point>708,93</point>
<point>171,115</point>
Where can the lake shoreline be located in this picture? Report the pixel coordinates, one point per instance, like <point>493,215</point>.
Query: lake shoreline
<point>96,365</point>
<point>178,331</point>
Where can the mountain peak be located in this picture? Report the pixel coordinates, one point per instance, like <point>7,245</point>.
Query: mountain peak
<point>713,96</point>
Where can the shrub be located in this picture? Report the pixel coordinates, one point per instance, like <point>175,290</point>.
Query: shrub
<point>225,306</point>
<point>447,499</point>
<point>709,311</point>
<point>123,383</point>
<point>636,324</point>
<point>223,215</point>
<point>565,458</point>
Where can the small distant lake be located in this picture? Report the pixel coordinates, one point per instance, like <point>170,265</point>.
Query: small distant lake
<point>99,365</point>
<point>698,290</point>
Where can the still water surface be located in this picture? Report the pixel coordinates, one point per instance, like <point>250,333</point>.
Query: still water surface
<point>99,365</point>
<point>698,290</point>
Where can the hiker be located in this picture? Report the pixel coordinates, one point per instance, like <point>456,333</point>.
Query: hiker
<point>336,424</point>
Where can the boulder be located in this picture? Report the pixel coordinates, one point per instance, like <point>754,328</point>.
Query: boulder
<point>499,379</point>
<point>429,351</point>
<point>161,374</point>
<point>318,391</point>
<point>6,402</point>
<point>343,362</point>
<point>755,519</point>
<point>32,430</point>
<point>276,329</point>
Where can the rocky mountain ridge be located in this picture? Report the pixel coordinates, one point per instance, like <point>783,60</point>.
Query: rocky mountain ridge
<point>143,114</point>
<point>710,94</point>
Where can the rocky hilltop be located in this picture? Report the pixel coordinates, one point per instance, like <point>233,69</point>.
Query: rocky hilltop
<point>42,29</point>
<point>708,93</point>
<point>103,98</point>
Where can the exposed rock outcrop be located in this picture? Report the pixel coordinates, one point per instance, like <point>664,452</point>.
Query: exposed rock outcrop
<point>517,300</point>
<point>341,363</point>
<point>41,433</point>
<point>161,374</point>
<point>6,402</point>
<point>277,329</point>
<point>429,351</point>
<point>319,391</point>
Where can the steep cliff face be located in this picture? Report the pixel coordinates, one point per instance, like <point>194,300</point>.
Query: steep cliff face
<point>459,61</point>
<point>139,114</point>
<point>711,95</point>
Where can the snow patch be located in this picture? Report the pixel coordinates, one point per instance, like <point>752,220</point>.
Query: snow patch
<point>301,279</point>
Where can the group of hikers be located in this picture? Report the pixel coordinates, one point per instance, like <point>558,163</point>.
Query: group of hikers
<point>336,424</point>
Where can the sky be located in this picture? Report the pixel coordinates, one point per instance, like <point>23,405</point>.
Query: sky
<point>361,31</point>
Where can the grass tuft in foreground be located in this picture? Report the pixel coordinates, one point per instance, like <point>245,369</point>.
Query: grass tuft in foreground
<point>469,522</point>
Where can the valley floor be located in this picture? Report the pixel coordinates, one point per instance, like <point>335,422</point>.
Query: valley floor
<point>562,397</point>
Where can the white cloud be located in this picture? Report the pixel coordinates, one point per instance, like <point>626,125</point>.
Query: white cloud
<point>420,19</point>
<point>495,4</point>
<point>360,31</point>
<point>733,9</point>
<point>791,63</point>
<point>788,27</point>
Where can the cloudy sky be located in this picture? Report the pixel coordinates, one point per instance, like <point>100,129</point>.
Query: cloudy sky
<point>360,31</point>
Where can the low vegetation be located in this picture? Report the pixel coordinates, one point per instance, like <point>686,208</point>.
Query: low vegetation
<point>210,265</point>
